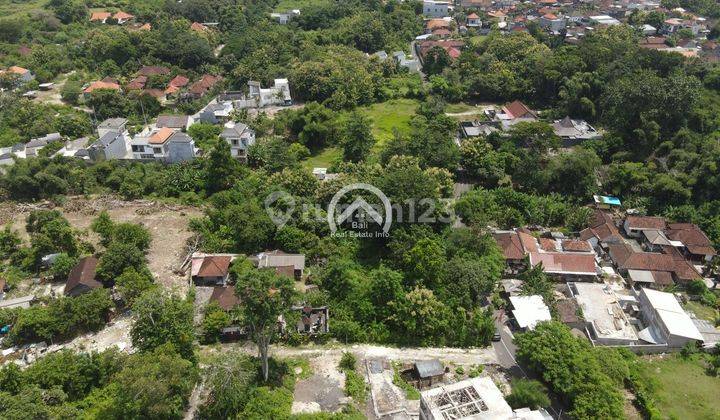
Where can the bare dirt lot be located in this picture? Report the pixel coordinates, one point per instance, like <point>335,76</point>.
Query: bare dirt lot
<point>168,225</point>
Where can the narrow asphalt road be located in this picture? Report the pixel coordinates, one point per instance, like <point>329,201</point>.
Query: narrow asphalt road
<point>506,354</point>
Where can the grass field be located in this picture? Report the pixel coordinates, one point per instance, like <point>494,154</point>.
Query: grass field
<point>685,391</point>
<point>287,5</point>
<point>17,8</point>
<point>386,116</point>
<point>701,311</point>
<point>322,159</point>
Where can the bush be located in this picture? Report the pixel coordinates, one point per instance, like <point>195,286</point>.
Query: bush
<point>62,318</point>
<point>347,361</point>
<point>528,393</point>
<point>355,386</point>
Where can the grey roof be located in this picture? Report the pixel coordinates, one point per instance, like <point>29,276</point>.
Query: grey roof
<point>180,137</point>
<point>82,153</point>
<point>108,138</point>
<point>113,123</point>
<point>18,147</point>
<point>381,54</point>
<point>429,368</point>
<point>215,107</point>
<point>172,121</point>
<point>235,131</point>
<point>6,156</point>
<point>52,137</point>
<point>36,143</point>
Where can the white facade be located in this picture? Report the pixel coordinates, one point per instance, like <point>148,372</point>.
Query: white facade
<point>667,322</point>
<point>436,8</point>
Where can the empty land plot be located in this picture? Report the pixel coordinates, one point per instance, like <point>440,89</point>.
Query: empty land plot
<point>168,225</point>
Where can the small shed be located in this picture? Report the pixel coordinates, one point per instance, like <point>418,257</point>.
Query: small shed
<point>428,372</point>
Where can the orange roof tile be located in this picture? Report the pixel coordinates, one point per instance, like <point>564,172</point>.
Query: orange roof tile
<point>101,85</point>
<point>161,137</point>
<point>101,16</point>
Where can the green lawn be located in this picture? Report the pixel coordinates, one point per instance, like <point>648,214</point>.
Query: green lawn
<point>322,159</point>
<point>701,311</point>
<point>460,107</point>
<point>684,391</point>
<point>386,116</point>
<point>287,5</point>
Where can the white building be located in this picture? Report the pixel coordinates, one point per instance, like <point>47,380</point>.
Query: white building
<point>529,310</point>
<point>475,398</point>
<point>436,8</point>
<point>667,322</point>
<point>240,137</point>
<point>285,17</point>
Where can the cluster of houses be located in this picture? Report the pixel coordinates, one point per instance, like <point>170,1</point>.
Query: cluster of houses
<point>165,140</point>
<point>571,131</point>
<point>682,32</point>
<point>213,270</point>
<point>611,279</point>
<point>178,88</point>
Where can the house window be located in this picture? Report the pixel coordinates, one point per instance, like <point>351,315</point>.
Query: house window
<point>234,142</point>
<point>138,148</point>
<point>157,150</point>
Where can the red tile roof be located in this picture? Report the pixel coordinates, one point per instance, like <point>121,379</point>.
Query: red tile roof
<point>692,237</point>
<point>564,263</point>
<point>510,244</point>
<point>473,16</point>
<point>101,85</point>
<point>161,137</point>
<point>179,81</point>
<point>198,27</point>
<point>576,246</point>
<point>548,244</point>
<point>645,222</point>
<point>153,70</point>
<point>225,297</point>
<point>101,16</point>
<point>83,274</point>
<point>204,84</point>
<point>517,109</point>
<point>529,243</point>
<point>122,16</point>
<point>213,266</point>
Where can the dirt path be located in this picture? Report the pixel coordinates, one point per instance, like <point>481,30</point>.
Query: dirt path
<point>363,351</point>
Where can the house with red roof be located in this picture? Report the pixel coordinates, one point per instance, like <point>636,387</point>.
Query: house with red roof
<point>23,75</point>
<point>210,269</point>
<point>104,84</point>
<point>473,21</point>
<point>102,17</point>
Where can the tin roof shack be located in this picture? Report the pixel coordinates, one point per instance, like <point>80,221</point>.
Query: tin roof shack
<point>476,398</point>
<point>282,262</point>
<point>82,277</point>
<point>426,373</point>
<point>605,321</point>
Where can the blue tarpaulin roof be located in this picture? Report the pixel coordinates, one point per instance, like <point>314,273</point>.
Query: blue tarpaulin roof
<point>605,199</point>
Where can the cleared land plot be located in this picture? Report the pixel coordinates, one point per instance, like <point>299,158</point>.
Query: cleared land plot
<point>390,115</point>
<point>684,391</point>
<point>287,5</point>
<point>323,159</point>
<point>168,225</point>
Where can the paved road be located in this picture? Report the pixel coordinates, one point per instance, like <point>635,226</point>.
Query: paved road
<point>506,354</point>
